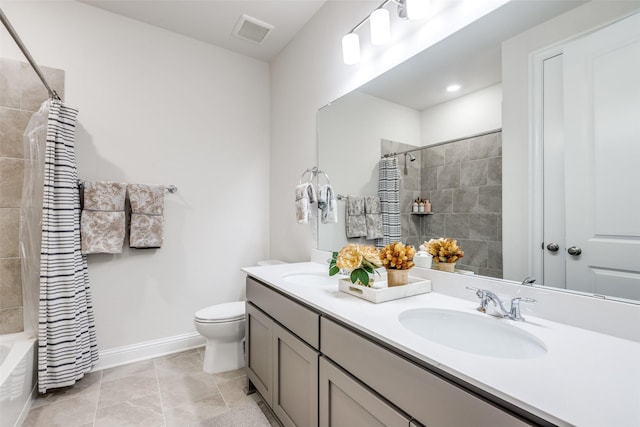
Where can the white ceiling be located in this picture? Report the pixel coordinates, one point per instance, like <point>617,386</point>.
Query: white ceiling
<point>212,21</point>
<point>470,57</point>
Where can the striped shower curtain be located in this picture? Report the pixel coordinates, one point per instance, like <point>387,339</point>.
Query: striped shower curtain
<point>66,331</point>
<point>389,193</point>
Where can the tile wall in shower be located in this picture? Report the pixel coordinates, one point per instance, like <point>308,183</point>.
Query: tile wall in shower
<point>463,181</point>
<point>21,94</point>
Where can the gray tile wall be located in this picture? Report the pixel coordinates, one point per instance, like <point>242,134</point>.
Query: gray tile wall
<point>463,181</point>
<point>21,94</point>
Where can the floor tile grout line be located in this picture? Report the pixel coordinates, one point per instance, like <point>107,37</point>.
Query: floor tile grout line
<point>164,412</point>
<point>95,411</point>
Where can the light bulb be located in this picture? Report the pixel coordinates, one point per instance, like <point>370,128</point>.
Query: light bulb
<point>453,88</point>
<point>351,49</point>
<point>380,27</point>
<point>417,9</point>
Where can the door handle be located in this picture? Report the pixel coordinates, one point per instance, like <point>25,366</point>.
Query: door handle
<point>574,250</point>
<point>553,247</point>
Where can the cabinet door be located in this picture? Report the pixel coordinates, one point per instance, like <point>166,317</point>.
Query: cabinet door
<point>259,351</point>
<point>344,402</point>
<point>295,385</point>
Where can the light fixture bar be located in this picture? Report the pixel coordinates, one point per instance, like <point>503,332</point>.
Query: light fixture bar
<point>380,26</point>
<point>361,23</point>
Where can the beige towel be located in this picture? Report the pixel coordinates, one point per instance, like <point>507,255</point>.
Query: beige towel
<point>374,217</point>
<point>102,224</point>
<point>147,220</point>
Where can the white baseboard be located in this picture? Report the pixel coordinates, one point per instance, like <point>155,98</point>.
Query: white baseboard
<point>147,350</point>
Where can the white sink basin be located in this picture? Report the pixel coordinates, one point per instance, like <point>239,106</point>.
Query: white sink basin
<point>479,334</point>
<point>311,278</point>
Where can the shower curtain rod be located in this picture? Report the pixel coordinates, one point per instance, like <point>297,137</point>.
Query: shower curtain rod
<point>443,142</point>
<point>5,21</point>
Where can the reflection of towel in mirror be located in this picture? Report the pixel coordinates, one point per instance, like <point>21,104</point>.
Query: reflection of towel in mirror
<point>373,217</point>
<point>356,225</point>
<point>102,224</point>
<point>147,220</point>
<point>305,197</point>
<point>328,205</point>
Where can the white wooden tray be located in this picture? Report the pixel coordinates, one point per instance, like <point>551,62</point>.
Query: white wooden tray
<point>380,292</point>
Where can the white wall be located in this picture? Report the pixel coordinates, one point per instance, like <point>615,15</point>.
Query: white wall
<point>477,112</point>
<point>156,107</point>
<point>516,157</point>
<point>309,73</point>
<point>350,132</point>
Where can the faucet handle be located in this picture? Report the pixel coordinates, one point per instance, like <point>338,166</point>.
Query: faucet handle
<point>482,294</point>
<point>514,313</point>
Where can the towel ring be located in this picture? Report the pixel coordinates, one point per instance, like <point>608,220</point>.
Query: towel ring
<point>326,177</point>
<point>313,172</point>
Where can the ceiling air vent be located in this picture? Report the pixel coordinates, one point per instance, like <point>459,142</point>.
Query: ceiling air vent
<point>251,29</point>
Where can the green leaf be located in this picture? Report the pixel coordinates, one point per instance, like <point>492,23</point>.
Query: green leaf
<point>360,274</point>
<point>333,270</point>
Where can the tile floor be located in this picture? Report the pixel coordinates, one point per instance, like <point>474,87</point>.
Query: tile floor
<point>169,391</point>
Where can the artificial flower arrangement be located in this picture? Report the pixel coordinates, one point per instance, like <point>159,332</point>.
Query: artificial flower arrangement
<point>444,250</point>
<point>358,260</point>
<point>397,256</point>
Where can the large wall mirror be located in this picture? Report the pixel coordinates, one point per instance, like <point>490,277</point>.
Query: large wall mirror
<point>493,158</point>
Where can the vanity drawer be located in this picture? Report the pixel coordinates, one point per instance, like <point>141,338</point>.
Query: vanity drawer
<point>298,319</point>
<point>428,398</point>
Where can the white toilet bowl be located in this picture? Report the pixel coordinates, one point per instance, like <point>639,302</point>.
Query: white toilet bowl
<point>223,327</point>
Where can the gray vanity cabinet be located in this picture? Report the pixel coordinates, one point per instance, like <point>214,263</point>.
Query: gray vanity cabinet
<point>313,370</point>
<point>259,351</point>
<point>428,398</point>
<point>345,402</point>
<point>295,380</point>
<point>282,354</point>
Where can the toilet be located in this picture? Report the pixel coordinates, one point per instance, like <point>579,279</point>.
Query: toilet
<point>223,327</point>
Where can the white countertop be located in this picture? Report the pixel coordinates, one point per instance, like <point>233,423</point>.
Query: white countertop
<point>585,378</point>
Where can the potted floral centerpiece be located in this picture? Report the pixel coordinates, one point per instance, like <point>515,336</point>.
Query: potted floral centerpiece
<point>397,259</point>
<point>360,261</point>
<point>445,252</point>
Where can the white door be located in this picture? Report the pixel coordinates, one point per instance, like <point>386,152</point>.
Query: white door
<point>602,168</point>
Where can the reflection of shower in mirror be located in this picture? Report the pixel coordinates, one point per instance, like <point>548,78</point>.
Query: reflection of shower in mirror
<point>411,159</point>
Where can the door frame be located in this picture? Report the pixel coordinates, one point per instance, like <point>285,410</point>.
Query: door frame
<point>536,155</point>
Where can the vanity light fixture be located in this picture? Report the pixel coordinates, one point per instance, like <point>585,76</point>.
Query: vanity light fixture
<point>453,88</point>
<point>380,25</point>
<point>351,49</point>
<point>416,9</point>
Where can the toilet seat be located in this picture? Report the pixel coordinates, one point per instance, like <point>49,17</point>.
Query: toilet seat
<point>220,313</point>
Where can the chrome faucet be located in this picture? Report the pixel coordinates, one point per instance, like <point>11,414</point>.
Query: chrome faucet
<point>487,296</point>
<point>528,281</point>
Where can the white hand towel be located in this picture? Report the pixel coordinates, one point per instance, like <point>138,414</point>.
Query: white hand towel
<point>305,197</point>
<point>328,205</point>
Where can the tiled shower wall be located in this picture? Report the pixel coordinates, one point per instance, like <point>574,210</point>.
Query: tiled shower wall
<point>21,94</point>
<point>463,181</point>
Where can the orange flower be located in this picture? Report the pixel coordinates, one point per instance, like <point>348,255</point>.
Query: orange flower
<point>397,256</point>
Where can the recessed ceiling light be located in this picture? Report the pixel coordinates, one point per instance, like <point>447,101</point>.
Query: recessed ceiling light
<point>453,88</point>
